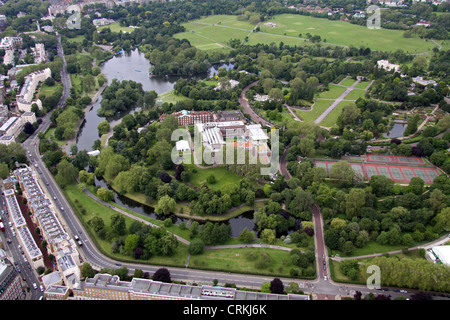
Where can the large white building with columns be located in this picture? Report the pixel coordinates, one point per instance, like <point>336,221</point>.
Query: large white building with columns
<point>25,97</point>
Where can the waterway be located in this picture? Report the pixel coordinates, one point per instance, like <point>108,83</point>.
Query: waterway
<point>134,66</point>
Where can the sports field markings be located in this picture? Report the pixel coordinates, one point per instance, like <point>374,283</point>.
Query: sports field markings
<point>214,41</point>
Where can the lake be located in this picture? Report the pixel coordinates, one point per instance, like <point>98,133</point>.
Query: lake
<point>130,66</point>
<point>397,131</point>
<point>134,66</point>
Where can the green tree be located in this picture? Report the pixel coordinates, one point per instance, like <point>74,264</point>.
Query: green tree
<point>354,202</point>
<point>247,236</point>
<point>268,236</point>
<point>87,271</point>
<point>342,172</point>
<point>104,194</point>
<point>118,224</point>
<point>131,242</point>
<point>103,127</point>
<point>166,205</point>
<point>67,173</point>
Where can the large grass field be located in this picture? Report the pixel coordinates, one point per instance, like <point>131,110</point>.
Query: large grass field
<point>214,32</point>
<point>345,34</point>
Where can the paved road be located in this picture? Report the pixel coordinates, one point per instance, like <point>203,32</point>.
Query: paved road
<point>336,102</point>
<point>247,109</point>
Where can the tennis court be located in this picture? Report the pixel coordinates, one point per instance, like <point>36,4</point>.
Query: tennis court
<point>385,158</point>
<point>398,173</point>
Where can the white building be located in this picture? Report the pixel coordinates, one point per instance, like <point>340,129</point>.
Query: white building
<point>8,58</point>
<point>386,65</point>
<point>10,43</point>
<point>441,253</point>
<point>230,84</point>
<point>182,145</point>
<point>423,82</point>
<point>39,53</point>
<point>24,99</point>
<point>11,129</point>
<point>102,22</point>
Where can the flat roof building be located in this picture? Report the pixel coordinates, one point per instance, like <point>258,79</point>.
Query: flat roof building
<point>110,287</point>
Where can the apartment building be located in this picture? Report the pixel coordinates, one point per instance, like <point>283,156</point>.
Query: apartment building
<point>38,53</point>
<point>10,43</point>
<point>13,126</point>
<point>25,97</point>
<point>191,117</point>
<point>110,287</point>
<point>20,228</point>
<point>44,215</point>
<point>10,281</point>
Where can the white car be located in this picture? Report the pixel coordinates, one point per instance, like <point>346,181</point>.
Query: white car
<point>34,286</point>
<point>403,291</point>
<point>41,288</point>
<point>325,278</point>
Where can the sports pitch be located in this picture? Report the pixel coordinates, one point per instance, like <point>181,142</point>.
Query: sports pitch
<point>214,32</point>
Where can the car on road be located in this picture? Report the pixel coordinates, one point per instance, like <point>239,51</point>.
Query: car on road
<point>403,291</point>
<point>34,286</point>
<point>396,290</point>
<point>41,288</point>
<point>325,278</point>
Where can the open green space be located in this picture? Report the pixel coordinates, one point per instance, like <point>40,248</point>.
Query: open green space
<point>88,208</point>
<point>355,94</point>
<point>318,108</point>
<point>214,32</point>
<point>362,85</point>
<point>345,34</point>
<point>262,261</point>
<point>222,176</point>
<point>348,82</point>
<point>115,27</point>
<point>171,97</point>
<point>332,117</point>
<point>333,93</point>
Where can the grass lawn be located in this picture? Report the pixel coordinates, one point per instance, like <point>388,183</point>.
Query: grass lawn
<point>77,39</point>
<point>348,82</point>
<point>214,32</point>
<point>49,90</point>
<point>333,93</point>
<point>318,108</point>
<point>115,27</point>
<point>362,85</point>
<point>244,260</point>
<point>80,200</point>
<point>355,94</point>
<point>346,34</point>
<point>223,177</point>
<point>171,97</point>
<point>332,117</point>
